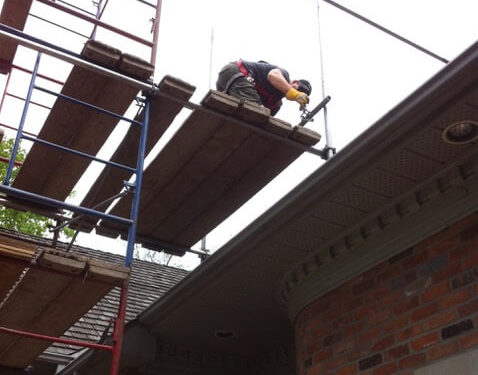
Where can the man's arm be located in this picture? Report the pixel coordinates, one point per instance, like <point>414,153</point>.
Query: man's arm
<point>277,80</point>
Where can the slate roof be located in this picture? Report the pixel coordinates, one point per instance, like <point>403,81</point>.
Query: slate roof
<point>148,282</point>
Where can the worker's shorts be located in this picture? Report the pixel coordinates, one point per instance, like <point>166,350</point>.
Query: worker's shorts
<point>231,81</point>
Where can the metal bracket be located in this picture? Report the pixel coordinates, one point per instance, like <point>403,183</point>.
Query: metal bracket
<point>308,116</point>
<point>327,152</point>
<point>129,185</point>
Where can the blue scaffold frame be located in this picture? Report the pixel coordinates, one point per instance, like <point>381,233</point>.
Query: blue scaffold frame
<point>50,202</point>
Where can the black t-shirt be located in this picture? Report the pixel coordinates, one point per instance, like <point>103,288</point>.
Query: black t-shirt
<point>259,71</point>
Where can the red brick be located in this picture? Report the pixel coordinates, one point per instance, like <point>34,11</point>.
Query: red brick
<point>365,311</point>
<point>464,250</point>
<point>391,298</point>
<point>448,271</point>
<point>313,348</point>
<point>353,304</point>
<point>315,370</point>
<point>472,259</point>
<point>412,361</point>
<point>442,350</point>
<point>389,273</point>
<point>322,355</point>
<point>455,298</point>
<point>332,313</point>
<point>397,352</point>
<point>426,341</point>
<point>319,331</point>
<point>335,363</point>
<point>356,280</point>
<point>344,320</point>
<point>369,336</point>
<point>424,312</point>
<point>393,325</point>
<point>410,332</point>
<point>358,352</point>
<point>468,308</point>
<point>388,369</point>
<point>317,326</point>
<point>354,328</point>
<point>469,233</point>
<point>345,346</point>
<point>461,226</point>
<point>317,307</point>
<point>436,291</point>
<point>363,286</point>
<point>469,340</point>
<point>379,317</point>
<point>441,319</point>
<point>347,370</point>
<point>410,304</point>
<point>383,343</point>
<point>414,260</point>
<point>442,246</point>
<point>371,273</point>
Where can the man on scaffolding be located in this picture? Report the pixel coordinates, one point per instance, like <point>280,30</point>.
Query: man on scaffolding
<point>263,84</point>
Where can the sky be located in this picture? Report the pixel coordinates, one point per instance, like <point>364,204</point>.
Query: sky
<point>365,71</point>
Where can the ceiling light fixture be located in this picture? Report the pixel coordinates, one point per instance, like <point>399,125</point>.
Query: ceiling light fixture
<point>461,132</point>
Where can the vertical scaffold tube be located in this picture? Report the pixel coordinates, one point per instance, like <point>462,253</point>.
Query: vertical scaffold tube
<point>120,320</point>
<point>328,138</point>
<point>157,18</point>
<point>22,121</point>
<point>138,182</point>
<point>118,331</point>
<point>5,90</point>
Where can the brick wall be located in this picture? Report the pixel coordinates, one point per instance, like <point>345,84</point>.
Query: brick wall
<point>418,307</point>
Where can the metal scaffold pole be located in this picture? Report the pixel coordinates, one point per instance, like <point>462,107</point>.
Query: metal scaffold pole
<point>22,122</point>
<point>328,138</point>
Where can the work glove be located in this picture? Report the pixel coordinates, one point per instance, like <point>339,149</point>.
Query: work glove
<point>298,96</point>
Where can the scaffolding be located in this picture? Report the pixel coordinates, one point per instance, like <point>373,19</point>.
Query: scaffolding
<point>237,147</point>
<point>13,20</point>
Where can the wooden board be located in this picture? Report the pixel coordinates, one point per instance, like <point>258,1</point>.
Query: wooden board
<point>54,173</point>
<point>210,167</point>
<point>14,14</point>
<point>110,181</point>
<point>49,303</point>
<point>14,256</point>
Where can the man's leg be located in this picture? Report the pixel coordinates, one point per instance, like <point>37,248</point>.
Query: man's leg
<point>225,75</point>
<point>231,81</point>
<point>243,89</point>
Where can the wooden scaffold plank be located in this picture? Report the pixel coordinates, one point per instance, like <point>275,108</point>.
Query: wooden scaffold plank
<point>163,112</point>
<point>54,173</point>
<point>14,13</point>
<point>14,256</point>
<point>49,298</point>
<point>209,168</point>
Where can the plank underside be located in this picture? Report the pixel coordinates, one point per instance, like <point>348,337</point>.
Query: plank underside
<point>48,303</point>
<point>54,173</point>
<point>209,168</point>
<point>13,257</point>
<point>14,13</point>
<point>110,182</point>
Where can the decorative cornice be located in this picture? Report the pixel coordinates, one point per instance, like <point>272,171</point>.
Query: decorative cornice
<point>434,204</point>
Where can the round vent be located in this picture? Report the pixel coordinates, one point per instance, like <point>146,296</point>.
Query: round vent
<point>461,132</point>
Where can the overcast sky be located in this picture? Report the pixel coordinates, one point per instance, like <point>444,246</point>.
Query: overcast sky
<point>366,72</point>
